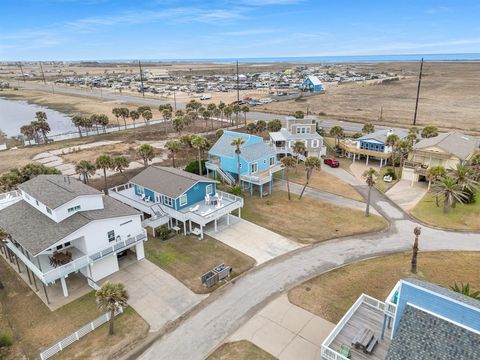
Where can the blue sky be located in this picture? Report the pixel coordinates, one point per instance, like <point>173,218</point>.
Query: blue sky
<point>189,29</point>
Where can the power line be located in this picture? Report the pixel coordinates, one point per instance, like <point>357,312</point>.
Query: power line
<point>43,74</point>
<point>141,77</point>
<point>418,93</point>
<point>21,69</point>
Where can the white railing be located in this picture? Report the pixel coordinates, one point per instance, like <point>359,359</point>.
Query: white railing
<point>25,260</point>
<point>118,246</point>
<point>387,308</point>
<point>152,208</point>
<point>264,177</point>
<point>77,335</point>
<point>9,198</point>
<point>215,166</point>
<point>202,220</point>
<point>61,271</point>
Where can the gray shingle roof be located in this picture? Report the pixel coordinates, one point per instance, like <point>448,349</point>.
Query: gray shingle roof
<point>424,336</point>
<point>36,232</point>
<point>381,135</point>
<point>56,190</point>
<point>453,142</point>
<point>167,181</point>
<point>250,152</point>
<point>444,291</point>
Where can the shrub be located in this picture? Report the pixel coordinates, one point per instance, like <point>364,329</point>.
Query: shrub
<point>322,113</point>
<point>193,167</point>
<point>5,341</point>
<point>164,232</point>
<point>268,202</point>
<point>389,171</point>
<point>357,135</point>
<point>471,196</point>
<point>218,133</point>
<point>235,190</point>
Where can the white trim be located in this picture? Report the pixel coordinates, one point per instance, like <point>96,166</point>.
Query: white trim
<point>181,201</point>
<point>209,192</point>
<point>444,318</point>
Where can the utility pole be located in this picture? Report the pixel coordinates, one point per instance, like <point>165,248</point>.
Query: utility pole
<point>21,69</point>
<point>238,92</point>
<point>174,101</point>
<point>43,74</point>
<point>418,93</point>
<point>141,77</point>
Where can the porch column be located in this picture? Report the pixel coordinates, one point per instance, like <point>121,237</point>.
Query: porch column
<point>228,219</point>
<point>381,162</point>
<point>64,286</point>
<point>190,225</point>
<point>185,228</point>
<point>251,189</point>
<point>354,157</point>
<point>215,223</point>
<point>201,232</point>
<point>261,191</point>
<point>139,250</point>
<point>46,293</point>
<point>240,213</point>
<point>207,173</point>
<point>270,187</point>
<point>368,156</point>
<point>382,333</point>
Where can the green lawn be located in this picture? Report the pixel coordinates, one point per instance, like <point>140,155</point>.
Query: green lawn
<point>385,186</point>
<point>187,258</point>
<point>462,217</point>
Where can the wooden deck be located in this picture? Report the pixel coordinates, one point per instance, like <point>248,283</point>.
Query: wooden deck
<point>365,316</point>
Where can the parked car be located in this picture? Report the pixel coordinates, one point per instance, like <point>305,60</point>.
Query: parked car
<point>331,162</point>
<point>253,103</point>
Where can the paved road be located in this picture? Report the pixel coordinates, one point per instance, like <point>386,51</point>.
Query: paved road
<point>209,326</point>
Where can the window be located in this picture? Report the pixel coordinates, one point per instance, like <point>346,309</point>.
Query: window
<point>73,209</point>
<point>209,189</point>
<point>272,161</point>
<point>111,236</point>
<point>264,161</point>
<point>140,189</point>
<point>48,210</point>
<point>298,130</point>
<point>303,130</point>
<point>168,201</point>
<point>183,200</point>
<point>315,143</point>
<point>307,130</point>
<point>37,202</point>
<point>254,167</point>
<point>157,198</point>
<point>66,244</point>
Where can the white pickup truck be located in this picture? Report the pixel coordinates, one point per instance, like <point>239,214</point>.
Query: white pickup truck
<point>205,97</point>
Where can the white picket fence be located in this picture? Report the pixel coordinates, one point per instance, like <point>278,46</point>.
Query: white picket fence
<point>77,335</point>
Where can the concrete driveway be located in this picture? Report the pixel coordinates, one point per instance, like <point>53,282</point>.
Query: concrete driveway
<point>405,195</point>
<point>156,295</point>
<point>253,240</point>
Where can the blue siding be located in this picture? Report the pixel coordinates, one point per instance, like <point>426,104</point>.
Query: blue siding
<point>372,145</point>
<point>438,305</point>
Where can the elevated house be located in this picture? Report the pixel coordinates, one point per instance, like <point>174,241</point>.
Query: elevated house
<point>446,149</point>
<point>178,198</point>
<point>312,84</point>
<point>418,320</point>
<point>61,227</point>
<point>371,146</point>
<point>258,161</point>
<point>304,130</point>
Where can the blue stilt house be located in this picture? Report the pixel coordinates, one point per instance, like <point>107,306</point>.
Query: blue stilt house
<point>258,161</point>
<point>312,84</point>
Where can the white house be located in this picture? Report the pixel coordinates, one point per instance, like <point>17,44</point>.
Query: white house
<point>62,226</point>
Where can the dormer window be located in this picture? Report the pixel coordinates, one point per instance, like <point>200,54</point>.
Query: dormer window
<point>74,209</point>
<point>48,210</point>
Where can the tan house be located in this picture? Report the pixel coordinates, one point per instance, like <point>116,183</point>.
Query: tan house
<point>447,150</point>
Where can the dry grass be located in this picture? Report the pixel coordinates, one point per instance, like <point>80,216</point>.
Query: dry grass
<point>462,217</point>
<point>330,295</point>
<point>187,258</point>
<point>308,220</point>
<point>129,150</point>
<point>240,350</point>
<point>322,180</point>
<point>36,327</point>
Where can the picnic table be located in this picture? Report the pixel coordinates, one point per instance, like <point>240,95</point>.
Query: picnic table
<point>365,340</point>
<point>62,258</point>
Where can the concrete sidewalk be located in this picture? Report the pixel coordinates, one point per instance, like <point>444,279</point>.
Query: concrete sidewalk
<point>286,331</point>
<point>405,195</point>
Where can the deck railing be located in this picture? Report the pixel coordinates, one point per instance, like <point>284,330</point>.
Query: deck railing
<point>61,271</point>
<point>118,246</point>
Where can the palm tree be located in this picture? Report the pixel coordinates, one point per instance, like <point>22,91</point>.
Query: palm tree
<point>41,116</point>
<point>370,176</point>
<point>116,112</point>
<point>77,120</point>
<point>94,121</point>
<point>368,128</point>
<point>124,113</point>
<point>178,124</point>
<point>111,297</point>
<point>261,125</point>
<point>199,143</point>
<point>174,147</point>
<point>434,173</point>
<point>103,121</point>
<point>404,146</point>
<point>87,124</point>
<point>85,169</point>
<point>166,114</point>
<point>392,141</point>
<point>147,116</point>
<point>298,149</point>
<point>206,116</point>
<point>221,107</point>
<point>464,177</point>
<point>120,163</point>
<point>142,111</point>
<point>417,231</point>
<point>289,162</point>
<point>134,115</point>
<point>475,165</point>
<point>217,113</point>
<point>104,162</point>
<point>464,289</point>
<point>236,110</point>
<point>274,125</point>
<point>238,143</point>
<point>450,190</point>
<point>337,133</point>
<point>29,132</point>
<point>429,131</point>
<point>147,153</point>
<point>311,163</point>
<point>251,128</point>
<point>228,113</point>
<point>245,109</point>
<point>42,125</point>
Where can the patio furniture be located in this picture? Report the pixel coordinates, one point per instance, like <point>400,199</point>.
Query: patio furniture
<point>194,208</point>
<point>387,178</point>
<point>196,231</point>
<point>365,340</point>
<point>143,196</point>
<point>61,258</point>
<point>345,351</point>
<point>207,199</point>
<point>52,261</point>
<point>176,229</point>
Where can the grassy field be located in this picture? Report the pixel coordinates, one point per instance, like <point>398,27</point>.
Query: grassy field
<point>322,180</point>
<point>187,258</point>
<point>463,217</point>
<point>331,294</point>
<point>36,327</point>
<point>240,350</point>
<point>308,220</point>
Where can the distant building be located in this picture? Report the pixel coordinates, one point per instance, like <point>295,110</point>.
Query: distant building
<point>313,84</point>
<point>418,320</point>
<point>3,147</point>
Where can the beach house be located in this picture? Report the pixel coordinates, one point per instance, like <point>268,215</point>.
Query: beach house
<point>418,320</point>
<point>182,200</point>
<point>257,161</point>
<point>304,130</point>
<point>446,149</point>
<point>371,146</point>
<point>61,229</point>
<point>312,84</point>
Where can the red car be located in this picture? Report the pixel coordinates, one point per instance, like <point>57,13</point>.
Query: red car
<point>332,162</point>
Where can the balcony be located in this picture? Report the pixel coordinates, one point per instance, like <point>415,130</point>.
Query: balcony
<point>9,198</point>
<point>366,312</point>
<point>350,146</point>
<point>263,177</point>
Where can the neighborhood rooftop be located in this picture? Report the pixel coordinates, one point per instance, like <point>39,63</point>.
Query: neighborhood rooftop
<point>40,232</point>
<point>381,135</point>
<point>56,190</point>
<point>425,336</point>
<point>455,143</point>
<point>250,152</point>
<point>168,181</point>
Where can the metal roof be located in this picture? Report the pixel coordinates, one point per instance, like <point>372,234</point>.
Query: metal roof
<point>381,135</point>
<point>168,181</point>
<point>39,232</point>
<point>315,80</point>
<point>56,190</point>
<point>454,143</point>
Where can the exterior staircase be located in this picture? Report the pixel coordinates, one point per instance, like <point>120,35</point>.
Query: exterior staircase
<point>227,177</point>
